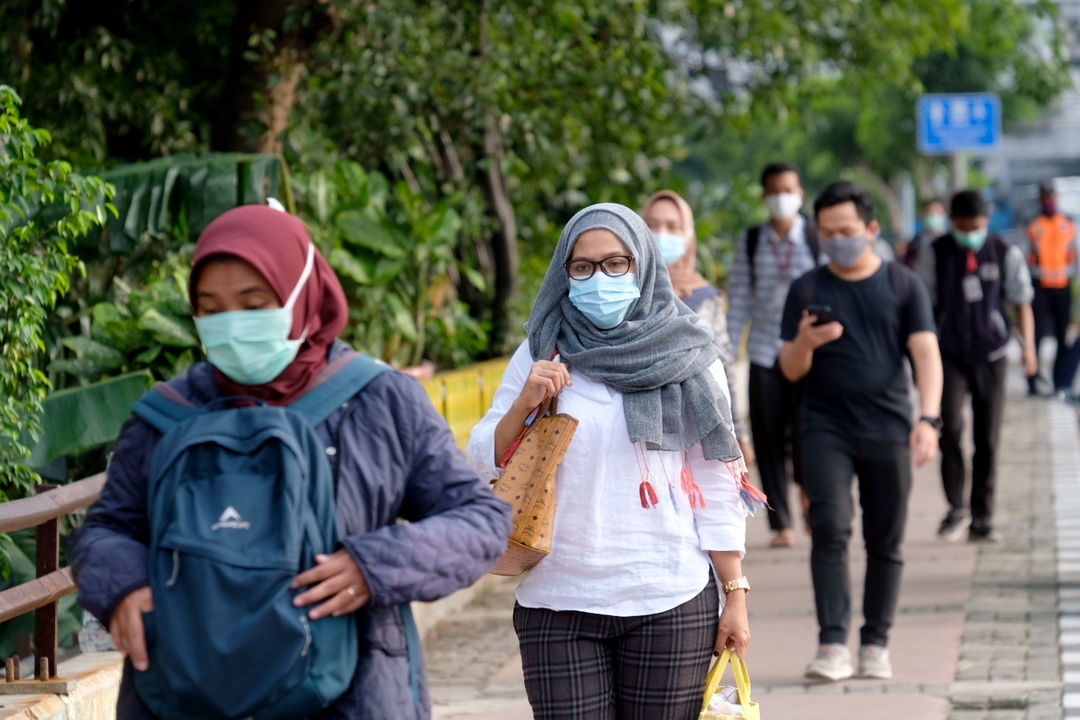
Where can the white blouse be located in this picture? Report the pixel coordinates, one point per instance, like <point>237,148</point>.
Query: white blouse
<point>610,555</point>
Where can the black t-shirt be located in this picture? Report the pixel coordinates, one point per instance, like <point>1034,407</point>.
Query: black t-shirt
<point>857,386</point>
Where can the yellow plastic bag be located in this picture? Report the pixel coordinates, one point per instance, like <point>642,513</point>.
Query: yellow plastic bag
<point>720,703</point>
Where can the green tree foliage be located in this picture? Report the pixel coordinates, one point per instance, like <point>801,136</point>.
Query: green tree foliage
<point>44,207</point>
<point>125,80</point>
<point>516,114</point>
<point>519,113</point>
<point>395,257</point>
<point>853,115</point>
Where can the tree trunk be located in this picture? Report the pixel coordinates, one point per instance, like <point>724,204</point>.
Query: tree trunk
<point>504,242</point>
<point>504,248</point>
<point>275,116</point>
<point>245,123</point>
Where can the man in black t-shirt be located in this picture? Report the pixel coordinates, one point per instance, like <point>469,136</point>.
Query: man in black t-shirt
<point>847,328</point>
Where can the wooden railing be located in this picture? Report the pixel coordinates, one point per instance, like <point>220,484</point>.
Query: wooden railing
<point>52,582</point>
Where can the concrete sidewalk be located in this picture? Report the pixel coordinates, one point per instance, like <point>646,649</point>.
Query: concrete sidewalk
<point>976,634</point>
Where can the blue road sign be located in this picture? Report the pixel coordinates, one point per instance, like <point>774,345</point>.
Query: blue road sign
<point>968,122</point>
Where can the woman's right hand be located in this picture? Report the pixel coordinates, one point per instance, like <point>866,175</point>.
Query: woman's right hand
<point>547,378</point>
<point>126,626</point>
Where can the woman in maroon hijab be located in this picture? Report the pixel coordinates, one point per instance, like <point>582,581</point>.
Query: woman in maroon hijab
<point>269,309</point>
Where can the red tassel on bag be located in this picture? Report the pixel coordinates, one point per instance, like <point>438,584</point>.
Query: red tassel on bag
<point>648,495</point>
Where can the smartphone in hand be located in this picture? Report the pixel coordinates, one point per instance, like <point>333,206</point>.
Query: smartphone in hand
<point>823,313</point>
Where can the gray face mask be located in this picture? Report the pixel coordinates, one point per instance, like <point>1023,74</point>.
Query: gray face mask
<point>843,251</point>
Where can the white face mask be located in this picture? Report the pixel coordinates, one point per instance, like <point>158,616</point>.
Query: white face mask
<point>783,206</point>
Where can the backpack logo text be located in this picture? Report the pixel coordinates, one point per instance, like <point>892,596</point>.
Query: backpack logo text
<point>231,520</point>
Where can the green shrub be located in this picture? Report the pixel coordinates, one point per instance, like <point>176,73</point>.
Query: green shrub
<point>44,208</point>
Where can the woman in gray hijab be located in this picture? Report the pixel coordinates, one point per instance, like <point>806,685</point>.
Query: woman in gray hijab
<point>621,618</point>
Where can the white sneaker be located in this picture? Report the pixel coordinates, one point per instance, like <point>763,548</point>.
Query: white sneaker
<point>833,662</point>
<point>874,662</point>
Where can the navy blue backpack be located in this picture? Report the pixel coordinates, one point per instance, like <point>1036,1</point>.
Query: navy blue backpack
<point>241,500</point>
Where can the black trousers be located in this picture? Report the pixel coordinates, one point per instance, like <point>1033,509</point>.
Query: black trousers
<point>775,404</point>
<point>1052,308</point>
<point>584,666</point>
<point>985,383</point>
<point>884,473</point>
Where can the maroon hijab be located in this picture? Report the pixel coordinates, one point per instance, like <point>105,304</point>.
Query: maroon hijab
<point>276,244</point>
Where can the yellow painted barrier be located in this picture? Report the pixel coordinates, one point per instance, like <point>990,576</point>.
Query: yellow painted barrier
<point>463,396</point>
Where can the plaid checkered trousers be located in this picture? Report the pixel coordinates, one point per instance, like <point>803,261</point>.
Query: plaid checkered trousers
<point>584,666</point>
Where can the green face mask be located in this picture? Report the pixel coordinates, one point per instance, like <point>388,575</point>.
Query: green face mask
<point>971,240</point>
<point>934,222</point>
<point>252,347</point>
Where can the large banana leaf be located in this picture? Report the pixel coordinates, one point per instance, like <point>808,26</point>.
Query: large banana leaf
<point>81,418</point>
<point>185,192</point>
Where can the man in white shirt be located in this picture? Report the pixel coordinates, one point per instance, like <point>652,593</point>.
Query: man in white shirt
<point>767,258</point>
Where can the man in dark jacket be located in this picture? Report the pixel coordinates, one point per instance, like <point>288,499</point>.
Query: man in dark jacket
<point>971,275</point>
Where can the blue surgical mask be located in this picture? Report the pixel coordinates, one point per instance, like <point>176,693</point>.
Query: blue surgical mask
<point>604,300</point>
<point>971,240</point>
<point>252,347</point>
<point>845,251</point>
<point>672,247</point>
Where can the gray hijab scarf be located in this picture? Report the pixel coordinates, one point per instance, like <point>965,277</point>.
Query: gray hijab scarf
<point>658,357</point>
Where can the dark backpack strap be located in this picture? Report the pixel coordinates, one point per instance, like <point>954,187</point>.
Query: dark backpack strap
<point>810,230</point>
<point>163,407</point>
<point>1001,249</point>
<point>339,381</point>
<point>753,236</point>
<point>807,286</point>
<point>901,281</point>
<point>753,239</point>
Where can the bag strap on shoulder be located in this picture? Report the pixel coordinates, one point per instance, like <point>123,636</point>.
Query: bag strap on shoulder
<point>753,237</point>
<point>339,381</point>
<point>164,407</point>
<point>810,229</point>
<point>901,280</point>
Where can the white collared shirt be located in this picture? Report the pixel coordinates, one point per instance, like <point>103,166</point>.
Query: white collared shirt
<point>610,555</point>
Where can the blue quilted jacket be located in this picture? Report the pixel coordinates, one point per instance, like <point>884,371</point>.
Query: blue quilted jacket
<point>394,457</point>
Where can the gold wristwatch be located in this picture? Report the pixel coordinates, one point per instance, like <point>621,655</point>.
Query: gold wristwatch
<point>737,584</point>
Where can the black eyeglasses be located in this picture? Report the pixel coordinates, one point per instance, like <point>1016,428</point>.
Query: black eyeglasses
<point>614,266</point>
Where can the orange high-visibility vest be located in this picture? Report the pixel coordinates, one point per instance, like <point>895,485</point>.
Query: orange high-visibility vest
<point>1053,250</point>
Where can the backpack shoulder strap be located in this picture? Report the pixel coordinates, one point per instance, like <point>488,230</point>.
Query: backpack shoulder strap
<point>807,286</point>
<point>810,230</point>
<point>163,407</point>
<point>1001,249</point>
<point>901,281</point>
<point>753,236</point>
<point>339,381</point>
